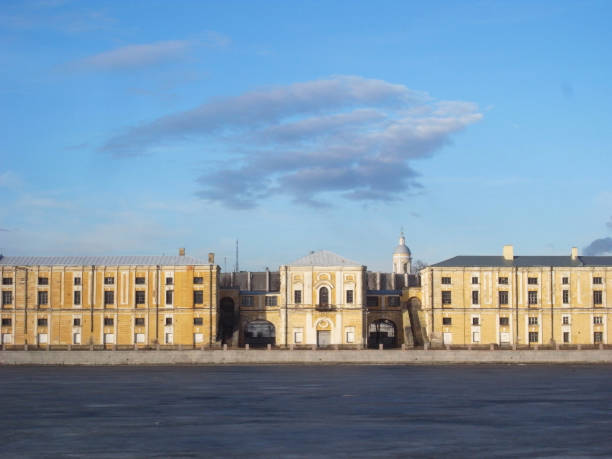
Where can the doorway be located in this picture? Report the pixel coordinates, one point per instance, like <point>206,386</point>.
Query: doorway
<point>323,338</point>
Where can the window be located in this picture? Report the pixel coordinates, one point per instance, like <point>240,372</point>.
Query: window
<point>109,338</point>
<point>476,337</point>
<point>446,297</point>
<point>566,337</point>
<point>565,320</point>
<point>76,322</point>
<point>598,320</point>
<point>77,297</point>
<point>76,338</point>
<point>504,321</point>
<point>297,297</point>
<point>7,297</point>
<point>109,281</point>
<point>475,320</point>
<point>532,280</point>
<point>6,322</point>
<point>533,320</point>
<point>41,322</point>
<point>598,337</point>
<point>372,301</point>
<point>168,320</point>
<point>532,297</point>
<point>323,296</point>
<point>109,321</point>
<point>565,296</point>
<point>198,321</point>
<point>198,297</point>
<point>139,321</point>
<point>503,297</point>
<point>139,280</point>
<point>349,296</point>
<point>474,280</point>
<point>393,300</point>
<point>350,335</point>
<point>169,295</point>
<point>7,281</point>
<point>271,300</point>
<point>446,321</point>
<point>169,280</point>
<point>502,280</point>
<point>77,281</point>
<point>565,280</point>
<point>533,337</point>
<point>109,297</point>
<point>139,338</point>
<point>247,300</point>
<point>198,280</point>
<point>43,297</point>
<point>446,280</point>
<point>597,297</point>
<point>474,296</point>
<point>597,280</point>
<point>140,297</point>
<point>43,281</point>
<point>298,335</point>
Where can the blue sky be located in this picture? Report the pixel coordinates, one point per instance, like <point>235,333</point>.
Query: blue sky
<point>141,127</point>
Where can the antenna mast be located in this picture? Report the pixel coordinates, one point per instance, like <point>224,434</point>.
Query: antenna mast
<point>237,267</point>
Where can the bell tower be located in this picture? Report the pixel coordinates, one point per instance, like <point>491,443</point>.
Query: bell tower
<point>402,262</point>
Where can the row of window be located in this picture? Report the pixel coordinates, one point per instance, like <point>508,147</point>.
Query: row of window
<point>532,297</point>
<point>108,280</point>
<point>597,320</point>
<point>108,321</point>
<point>530,280</point>
<point>109,297</point>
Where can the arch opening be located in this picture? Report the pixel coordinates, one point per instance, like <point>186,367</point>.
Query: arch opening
<point>260,333</point>
<point>382,331</point>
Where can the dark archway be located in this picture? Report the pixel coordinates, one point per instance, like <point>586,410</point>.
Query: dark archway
<point>259,333</point>
<point>323,296</point>
<point>382,331</point>
<point>227,320</point>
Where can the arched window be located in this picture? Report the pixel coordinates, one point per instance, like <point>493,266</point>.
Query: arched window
<point>323,296</point>
<point>405,267</point>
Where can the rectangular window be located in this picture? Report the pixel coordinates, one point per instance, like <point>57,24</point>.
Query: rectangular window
<point>6,322</point>
<point>169,297</point>
<point>533,320</point>
<point>532,280</point>
<point>532,297</point>
<point>298,336</point>
<point>297,297</point>
<point>139,280</point>
<point>198,280</point>
<point>247,300</point>
<point>109,321</point>
<point>597,280</point>
<point>169,280</point>
<point>393,300</point>
<point>76,322</point>
<point>139,321</point>
<point>446,321</point>
<point>597,297</point>
<point>474,280</point>
<point>109,338</point>
<point>565,296</point>
<point>77,297</point>
<point>475,320</point>
<point>139,338</point>
<point>474,296</point>
<point>533,337</point>
<point>43,281</point>
<point>598,337</point>
<point>565,320</point>
<point>446,297</point>
<point>565,280</point>
<point>41,322</point>
<point>349,297</point>
<point>350,335</point>
<point>7,297</point>
<point>476,337</point>
<point>77,281</point>
<point>198,297</point>
<point>109,281</point>
<point>502,280</point>
<point>109,297</point>
<point>198,321</point>
<point>504,321</point>
<point>7,281</point>
<point>446,280</point>
<point>140,297</point>
<point>598,320</point>
<point>372,301</point>
<point>503,297</point>
<point>271,301</point>
<point>168,320</point>
<point>76,338</point>
<point>566,337</point>
<point>43,297</point>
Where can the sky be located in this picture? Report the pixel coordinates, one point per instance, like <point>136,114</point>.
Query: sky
<point>141,127</point>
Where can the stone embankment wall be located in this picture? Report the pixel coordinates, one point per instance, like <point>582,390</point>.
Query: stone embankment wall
<point>255,357</point>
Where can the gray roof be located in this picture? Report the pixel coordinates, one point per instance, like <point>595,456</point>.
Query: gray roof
<point>324,258</point>
<point>401,249</point>
<point>136,260</point>
<point>522,261</point>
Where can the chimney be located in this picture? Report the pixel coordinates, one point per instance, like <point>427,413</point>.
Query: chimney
<point>574,253</point>
<point>508,252</point>
<point>211,257</point>
<point>182,252</point>
<point>267,279</point>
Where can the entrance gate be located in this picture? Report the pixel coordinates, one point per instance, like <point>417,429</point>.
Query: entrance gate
<point>382,331</point>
